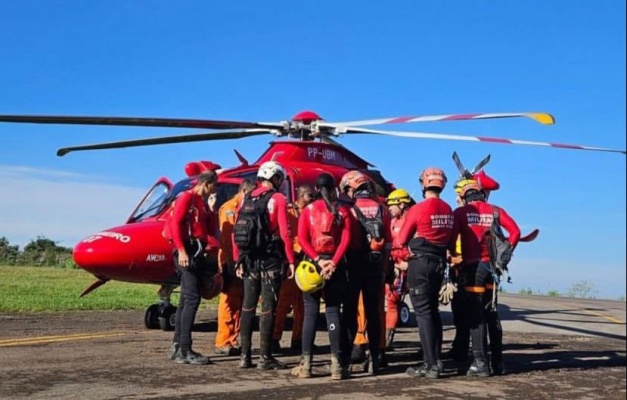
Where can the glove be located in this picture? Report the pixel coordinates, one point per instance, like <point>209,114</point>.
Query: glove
<point>447,291</point>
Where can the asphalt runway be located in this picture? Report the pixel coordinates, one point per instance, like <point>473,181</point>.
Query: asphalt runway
<point>555,348</point>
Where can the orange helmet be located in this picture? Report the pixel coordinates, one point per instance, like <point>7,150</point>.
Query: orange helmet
<point>433,178</point>
<point>467,186</point>
<point>352,179</point>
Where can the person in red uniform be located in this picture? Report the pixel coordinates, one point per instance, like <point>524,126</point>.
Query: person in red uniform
<point>366,265</point>
<point>289,294</point>
<point>428,232</point>
<point>190,227</point>
<point>399,203</point>
<point>474,220</point>
<point>262,272</point>
<point>324,233</point>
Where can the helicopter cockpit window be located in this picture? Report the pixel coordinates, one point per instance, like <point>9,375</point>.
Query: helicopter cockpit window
<point>158,199</point>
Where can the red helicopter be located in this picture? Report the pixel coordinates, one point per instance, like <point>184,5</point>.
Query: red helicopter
<point>136,250</point>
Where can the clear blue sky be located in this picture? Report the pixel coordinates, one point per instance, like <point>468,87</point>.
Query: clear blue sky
<point>266,61</point>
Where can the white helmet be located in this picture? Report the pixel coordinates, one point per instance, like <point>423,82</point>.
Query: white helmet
<point>270,168</point>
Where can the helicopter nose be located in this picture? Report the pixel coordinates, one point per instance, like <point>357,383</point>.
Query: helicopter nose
<point>105,254</point>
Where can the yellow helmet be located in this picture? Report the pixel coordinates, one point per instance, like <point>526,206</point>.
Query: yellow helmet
<point>460,184</point>
<point>307,277</point>
<point>398,196</point>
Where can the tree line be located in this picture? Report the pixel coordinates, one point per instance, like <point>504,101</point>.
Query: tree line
<point>40,252</point>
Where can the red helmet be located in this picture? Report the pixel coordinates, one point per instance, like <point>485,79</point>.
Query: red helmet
<point>433,178</point>
<point>352,179</point>
<point>211,286</point>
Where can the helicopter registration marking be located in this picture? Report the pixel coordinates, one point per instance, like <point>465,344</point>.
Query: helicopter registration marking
<point>155,257</point>
<point>326,154</point>
<point>112,235</point>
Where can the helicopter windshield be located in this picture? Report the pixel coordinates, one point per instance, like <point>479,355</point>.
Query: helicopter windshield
<point>160,197</point>
<point>157,199</point>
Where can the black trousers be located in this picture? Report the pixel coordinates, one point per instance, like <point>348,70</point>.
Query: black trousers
<point>424,279</point>
<point>365,276</point>
<point>493,321</point>
<point>190,281</point>
<point>469,314</point>
<point>263,279</point>
<point>333,291</point>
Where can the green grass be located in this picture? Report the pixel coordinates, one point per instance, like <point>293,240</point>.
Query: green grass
<point>41,289</point>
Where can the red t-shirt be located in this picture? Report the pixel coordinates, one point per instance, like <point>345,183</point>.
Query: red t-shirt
<point>473,224</point>
<point>192,220</point>
<point>431,219</point>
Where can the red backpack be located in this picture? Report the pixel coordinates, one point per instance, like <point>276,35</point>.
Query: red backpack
<point>322,221</point>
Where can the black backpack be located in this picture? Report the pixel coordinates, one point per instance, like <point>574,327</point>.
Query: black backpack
<point>250,231</point>
<point>373,228</point>
<point>500,249</point>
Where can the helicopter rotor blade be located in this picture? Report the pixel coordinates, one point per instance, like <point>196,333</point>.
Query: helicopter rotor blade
<point>446,136</point>
<point>131,121</point>
<point>543,118</point>
<point>197,137</point>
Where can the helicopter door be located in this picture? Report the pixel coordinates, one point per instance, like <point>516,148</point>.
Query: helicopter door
<point>152,202</point>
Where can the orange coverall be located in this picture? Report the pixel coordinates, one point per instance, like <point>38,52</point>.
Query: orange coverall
<point>360,337</point>
<point>230,302</point>
<point>289,294</point>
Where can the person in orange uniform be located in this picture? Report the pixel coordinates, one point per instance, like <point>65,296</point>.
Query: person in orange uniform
<point>360,344</point>
<point>289,295</point>
<point>399,202</point>
<point>230,302</point>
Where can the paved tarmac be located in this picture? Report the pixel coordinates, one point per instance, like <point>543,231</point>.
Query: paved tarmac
<point>555,348</point>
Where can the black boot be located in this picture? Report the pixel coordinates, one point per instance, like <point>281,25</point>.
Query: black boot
<point>479,367</point>
<point>389,339</point>
<point>424,371</point>
<point>245,360</point>
<point>371,366</point>
<point>270,363</point>
<point>497,367</point>
<point>190,357</point>
<point>358,355</point>
<point>383,360</point>
<point>174,348</point>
